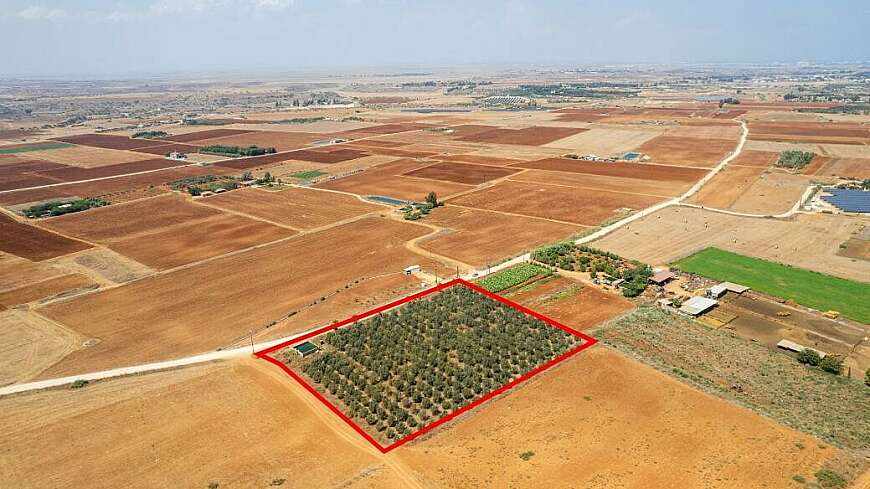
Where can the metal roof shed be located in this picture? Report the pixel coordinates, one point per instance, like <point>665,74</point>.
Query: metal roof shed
<point>697,305</point>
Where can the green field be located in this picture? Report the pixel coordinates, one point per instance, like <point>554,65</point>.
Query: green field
<point>305,175</point>
<point>808,288</point>
<point>34,147</point>
<point>506,279</point>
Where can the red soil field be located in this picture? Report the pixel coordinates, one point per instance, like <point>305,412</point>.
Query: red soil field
<point>299,208</point>
<point>207,134</point>
<point>327,155</point>
<point>17,167</point>
<point>600,182</point>
<point>402,153</point>
<point>43,289</point>
<point>163,149</point>
<point>530,136</point>
<point>467,130</point>
<point>387,180</point>
<point>219,302</point>
<point>461,172</point>
<point>480,160</point>
<point>815,166</point>
<point>125,220</point>
<point>281,141</point>
<point>811,129</point>
<point>24,180</point>
<point>385,129</point>
<point>71,174</point>
<point>110,188</point>
<point>695,152</point>
<point>33,243</point>
<point>380,143</point>
<point>106,141</point>
<point>197,240</point>
<point>475,236</point>
<point>588,208</point>
<point>846,167</point>
<point>628,170</point>
<point>807,139</point>
<point>749,157</point>
<point>11,134</point>
<point>254,161</point>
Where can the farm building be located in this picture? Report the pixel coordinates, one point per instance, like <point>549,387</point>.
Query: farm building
<point>412,269</point>
<point>697,306</point>
<point>662,277</point>
<point>795,347</point>
<point>305,349</point>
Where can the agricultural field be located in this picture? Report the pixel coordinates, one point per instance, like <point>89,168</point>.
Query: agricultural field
<point>388,180</point>
<point>818,403</point>
<point>572,303</point>
<point>298,208</point>
<point>33,243</point>
<point>560,204</point>
<point>478,237</point>
<point>173,416</point>
<point>401,370</point>
<point>811,289</point>
<point>513,276</point>
<point>657,173</point>
<point>692,152</point>
<point>87,156</point>
<point>464,384</point>
<point>461,173</point>
<point>804,241</point>
<point>621,421</point>
<point>219,302</point>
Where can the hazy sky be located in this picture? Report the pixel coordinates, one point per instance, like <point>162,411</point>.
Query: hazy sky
<point>116,37</point>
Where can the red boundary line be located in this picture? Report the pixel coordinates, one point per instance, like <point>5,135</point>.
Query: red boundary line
<point>587,342</point>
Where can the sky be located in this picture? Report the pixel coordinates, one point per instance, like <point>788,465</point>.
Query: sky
<point>58,38</point>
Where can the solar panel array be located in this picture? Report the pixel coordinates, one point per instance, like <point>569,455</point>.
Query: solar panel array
<point>849,200</point>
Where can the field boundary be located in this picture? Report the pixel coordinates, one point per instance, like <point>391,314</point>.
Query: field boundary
<point>265,354</point>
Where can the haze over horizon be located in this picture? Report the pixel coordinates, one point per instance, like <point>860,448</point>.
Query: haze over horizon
<point>123,37</point>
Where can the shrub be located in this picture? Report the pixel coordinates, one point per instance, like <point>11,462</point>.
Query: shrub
<point>832,364</point>
<point>809,357</point>
<point>78,384</point>
<point>867,377</point>
<point>830,479</point>
<point>527,455</point>
<point>798,478</point>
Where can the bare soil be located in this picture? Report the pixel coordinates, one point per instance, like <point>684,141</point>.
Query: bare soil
<point>267,428</point>
<point>683,151</point>
<point>478,237</point>
<point>630,170</point>
<point>624,424</point>
<point>33,243</point>
<point>299,208</point>
<point>387,179</point>
<point>213,304</point>
<point>461,172</point>
<point>589,207</point>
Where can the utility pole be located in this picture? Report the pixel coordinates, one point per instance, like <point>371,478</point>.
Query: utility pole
<point>252,341</point>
